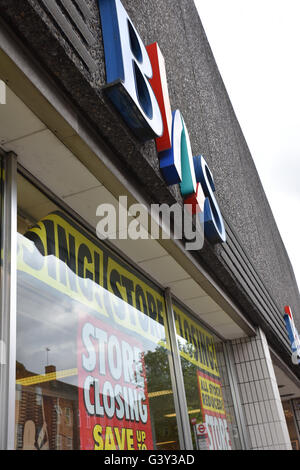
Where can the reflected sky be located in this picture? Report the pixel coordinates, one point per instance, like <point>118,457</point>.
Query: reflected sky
<point>47,320</point>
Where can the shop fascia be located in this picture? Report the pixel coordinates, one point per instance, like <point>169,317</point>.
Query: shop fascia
<point>137,87</point>
<point>293,334</point>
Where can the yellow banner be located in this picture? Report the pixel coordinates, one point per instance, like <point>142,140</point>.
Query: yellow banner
<point>59,253</point>
<point>196,345</point>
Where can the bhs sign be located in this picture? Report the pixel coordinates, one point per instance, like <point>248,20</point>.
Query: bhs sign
<point>137,87</point>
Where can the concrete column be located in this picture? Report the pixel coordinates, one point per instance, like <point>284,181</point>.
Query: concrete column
<point>259,394</point>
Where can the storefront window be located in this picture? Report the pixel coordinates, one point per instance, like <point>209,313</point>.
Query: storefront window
<point>93,354</point>
<point>208,396</point>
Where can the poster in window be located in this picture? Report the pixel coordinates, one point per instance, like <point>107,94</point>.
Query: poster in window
<point>113,398</point>
<point>213,412</point>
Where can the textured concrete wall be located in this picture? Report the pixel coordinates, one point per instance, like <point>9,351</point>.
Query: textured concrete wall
<point>197,89</point>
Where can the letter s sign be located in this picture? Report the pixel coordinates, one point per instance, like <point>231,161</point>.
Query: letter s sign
<point>128,71</point>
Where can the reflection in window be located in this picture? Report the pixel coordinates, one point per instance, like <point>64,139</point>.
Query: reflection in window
<point>207,389</point>
<point>93,368</point>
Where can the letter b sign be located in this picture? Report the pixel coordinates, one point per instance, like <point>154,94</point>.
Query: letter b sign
<point>128,70</point>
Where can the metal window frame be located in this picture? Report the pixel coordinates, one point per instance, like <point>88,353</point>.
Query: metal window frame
<point>181,408</point>
<point>8,303</point>
<point>237,404</point>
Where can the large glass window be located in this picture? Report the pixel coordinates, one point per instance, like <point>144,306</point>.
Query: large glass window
<point>209,400</point>
<point>93,353</point>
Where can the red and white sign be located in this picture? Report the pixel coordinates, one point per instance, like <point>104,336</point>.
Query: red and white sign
<point>201,429</point>
<point>213,412</point>
<point>113,398</point>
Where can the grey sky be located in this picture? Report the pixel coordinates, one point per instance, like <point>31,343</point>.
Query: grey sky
<point>256,44</point>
